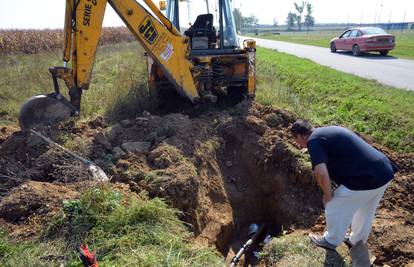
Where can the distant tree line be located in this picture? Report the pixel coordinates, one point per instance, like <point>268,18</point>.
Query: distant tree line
<point>242,21</point>
<point>295,18</point>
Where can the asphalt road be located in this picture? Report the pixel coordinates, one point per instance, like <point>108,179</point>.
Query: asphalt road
<point>387,70</point>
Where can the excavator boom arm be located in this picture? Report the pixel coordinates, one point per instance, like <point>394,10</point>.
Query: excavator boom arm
<point>211,65</point>
<point>163,43</point>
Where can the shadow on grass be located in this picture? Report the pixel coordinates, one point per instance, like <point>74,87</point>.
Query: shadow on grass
<point>131,104</point>
<point>334,259</point>
<point>139,98</point>
<point>367,55</point>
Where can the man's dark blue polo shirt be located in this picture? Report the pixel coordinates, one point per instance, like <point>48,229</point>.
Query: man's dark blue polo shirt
<point>350,160</point>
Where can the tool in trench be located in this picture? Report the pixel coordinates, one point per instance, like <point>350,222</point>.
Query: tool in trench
<point>97,173</point>
<point>254,233</point>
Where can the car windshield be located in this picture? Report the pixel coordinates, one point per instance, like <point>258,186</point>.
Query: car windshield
<point>373,31</point>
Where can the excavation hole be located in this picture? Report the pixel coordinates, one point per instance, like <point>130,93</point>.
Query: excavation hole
<point>263,185</point>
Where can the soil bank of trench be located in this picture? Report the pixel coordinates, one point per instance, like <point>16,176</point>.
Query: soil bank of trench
<point>224,169</point>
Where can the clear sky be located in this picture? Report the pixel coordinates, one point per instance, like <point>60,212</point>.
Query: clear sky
<point>50,13</point>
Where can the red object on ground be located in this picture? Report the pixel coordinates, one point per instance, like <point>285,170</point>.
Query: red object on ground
<point>88,258</point>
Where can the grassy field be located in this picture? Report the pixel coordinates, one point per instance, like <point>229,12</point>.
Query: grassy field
<point>123,230</point>
<point>296,250</point>
<point>326,96</point>
<point>30,41</point>
<point>118,89</point>
<point>404,40</point>
<point>118,85</point>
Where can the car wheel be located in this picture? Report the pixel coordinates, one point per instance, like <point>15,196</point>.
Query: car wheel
<point>355,50</point>
<point>384,52</point>
<point>333,47</point>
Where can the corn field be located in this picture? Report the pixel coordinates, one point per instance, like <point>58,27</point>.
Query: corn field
<point>36,41</point>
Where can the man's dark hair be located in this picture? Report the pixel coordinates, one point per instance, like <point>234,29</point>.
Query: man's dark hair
<point>301,127</point>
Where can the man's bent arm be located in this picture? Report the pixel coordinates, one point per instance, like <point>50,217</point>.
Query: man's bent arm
<point>322,178</point>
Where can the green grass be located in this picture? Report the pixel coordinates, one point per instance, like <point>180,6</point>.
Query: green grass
<point>124,230</point>
<point>326,96</point>
<point>32,253</point>
<point>118,85</point>
<point>118,89</point>
<point>404,40</point>
<point>296,250</point>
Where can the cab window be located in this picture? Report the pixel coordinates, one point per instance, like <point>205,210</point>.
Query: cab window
<point>353,34</point>
<point>345,35</point>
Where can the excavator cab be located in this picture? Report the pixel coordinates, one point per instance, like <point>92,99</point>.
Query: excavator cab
<point>209,18</point>
<point>223,69</point>
<point>202,33</point>
<point>192,51</point>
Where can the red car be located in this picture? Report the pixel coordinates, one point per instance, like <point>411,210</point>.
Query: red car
<point>364,39</point>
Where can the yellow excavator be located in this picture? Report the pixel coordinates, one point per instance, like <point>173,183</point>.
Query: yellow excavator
<point>201,59</point>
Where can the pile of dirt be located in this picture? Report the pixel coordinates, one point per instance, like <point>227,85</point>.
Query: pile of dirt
<point>223,168</point>
<point>393,231</point>
<point>22,209</point>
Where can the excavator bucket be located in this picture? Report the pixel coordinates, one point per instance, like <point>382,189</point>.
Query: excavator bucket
<point>44,110</point>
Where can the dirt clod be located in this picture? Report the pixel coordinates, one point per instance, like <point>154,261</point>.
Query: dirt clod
<point>33,198</point>
<point>100,138</point>
<point>127,123</point>
<point>136,147</point>
<point>256,125</point>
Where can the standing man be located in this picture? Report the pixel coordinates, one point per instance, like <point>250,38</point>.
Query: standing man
<point>361,172</point>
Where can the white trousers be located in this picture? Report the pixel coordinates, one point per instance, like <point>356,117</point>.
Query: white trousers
<point>355,208</point>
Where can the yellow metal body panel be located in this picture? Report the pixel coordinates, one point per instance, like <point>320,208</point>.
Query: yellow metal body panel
<point>250,47</point>
<point>166,22</point>
<point>168,49</point>
<point>161,41</point>
<point>89,18</point>
<point>220,71</point>
<point>67,35</point>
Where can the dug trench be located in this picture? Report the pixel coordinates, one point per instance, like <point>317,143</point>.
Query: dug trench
<point>222,168</point>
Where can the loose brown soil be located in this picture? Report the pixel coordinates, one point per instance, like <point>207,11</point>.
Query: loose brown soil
<point>224,169</point>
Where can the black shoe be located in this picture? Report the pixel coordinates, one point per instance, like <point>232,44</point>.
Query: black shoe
<point>320,241</point>
<point>348,242</point>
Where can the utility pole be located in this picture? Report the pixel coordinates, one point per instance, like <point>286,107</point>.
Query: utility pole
<point>216,11</point>
<point>190,19</point>
<point>402,26</point>
<point>379,17</point>
<point>389,21</point>
<point>208,8</point>
<point>241,18</point>
<point>360,22</point>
